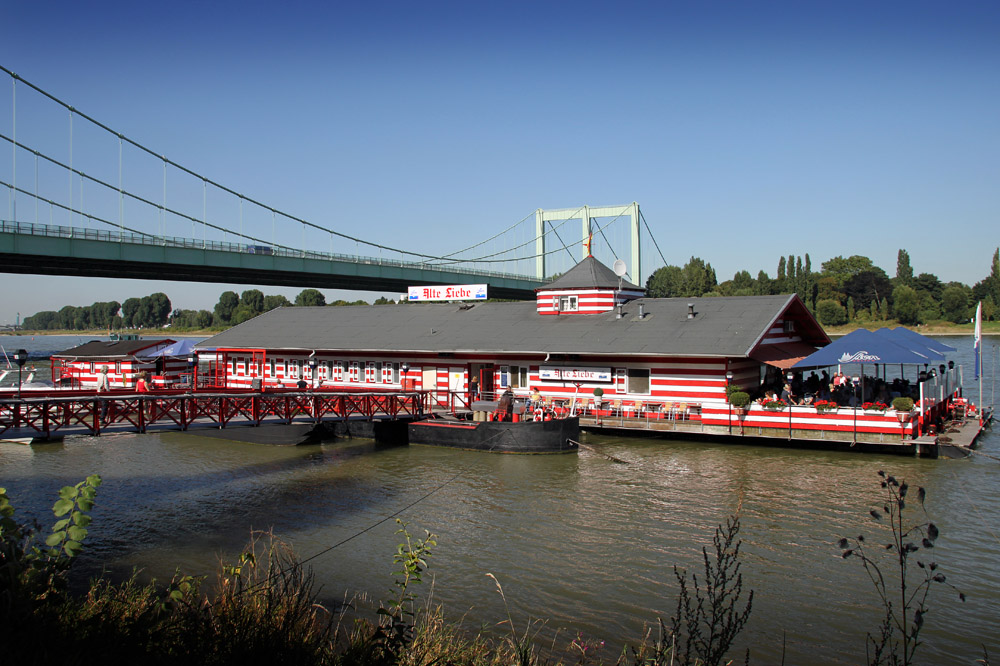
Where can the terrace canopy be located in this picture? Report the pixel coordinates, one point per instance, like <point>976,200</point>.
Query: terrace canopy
<point>180,348</point>
<point>903,334</point>
<point>863,346</point>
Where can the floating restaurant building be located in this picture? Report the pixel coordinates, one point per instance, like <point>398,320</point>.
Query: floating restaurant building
<point>653,357</point>
<point>123,360</point>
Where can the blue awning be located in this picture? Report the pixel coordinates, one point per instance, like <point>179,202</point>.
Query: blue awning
<point>929,342</point>
<point>863,346</point>
<point>181,348</point>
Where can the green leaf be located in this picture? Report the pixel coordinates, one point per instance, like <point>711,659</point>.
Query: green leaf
<point>81,519</point>
<point>77,533</point>
<point>72,548</point>
<point>85,504</point>
<point>61,524</point>
<point>62,507</point>
<point>54,539</point>
<point>68,492</point>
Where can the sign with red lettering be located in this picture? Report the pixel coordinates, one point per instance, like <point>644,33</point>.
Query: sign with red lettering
<point>565,373</point>
<point>454,292</point>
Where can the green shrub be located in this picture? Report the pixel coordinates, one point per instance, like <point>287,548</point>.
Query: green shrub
<point>902,404</point>
<point>739,398</point>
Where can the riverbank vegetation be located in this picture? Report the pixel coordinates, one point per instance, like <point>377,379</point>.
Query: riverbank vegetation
<point>264,607</point>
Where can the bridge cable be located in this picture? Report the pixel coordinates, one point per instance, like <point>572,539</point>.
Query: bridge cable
<point>221,187</point>
<point>652,238</point>
<point>165,160</point>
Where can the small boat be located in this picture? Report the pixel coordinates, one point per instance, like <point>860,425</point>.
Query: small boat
<point>554,436</point>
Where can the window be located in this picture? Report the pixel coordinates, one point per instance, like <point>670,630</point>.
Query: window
<point>338,371</point>
<point>355,372</point>
<point>568,304</point>
<point>370,372</point>
<point>91,367</point>
<point>504,376</point>
<point>638,381</point>
<point>395,373</point>
<point>295,369</point>
<point>243,367</point>
<point>518,376</point>
<point>270,368</point>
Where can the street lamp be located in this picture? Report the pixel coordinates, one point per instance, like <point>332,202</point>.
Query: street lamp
<point>404,367</point>
<point>729,381</point>
<point>20,357</point>
<point>193,367</point>
<point>790,376</point>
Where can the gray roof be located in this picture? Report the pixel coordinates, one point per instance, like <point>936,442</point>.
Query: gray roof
<point>111,349</point>
<point>588,274</point>
<point>729,326</point>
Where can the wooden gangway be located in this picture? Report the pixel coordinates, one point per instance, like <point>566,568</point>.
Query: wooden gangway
<point>45,415</point>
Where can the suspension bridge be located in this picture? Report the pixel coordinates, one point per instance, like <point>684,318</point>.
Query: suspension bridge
<point>69,212</point>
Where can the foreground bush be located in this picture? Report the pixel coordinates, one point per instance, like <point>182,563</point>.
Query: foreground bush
<point>264,609</point>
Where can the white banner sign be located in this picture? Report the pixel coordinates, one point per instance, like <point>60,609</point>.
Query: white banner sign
<point>454,292</point>
<point>574,374</point>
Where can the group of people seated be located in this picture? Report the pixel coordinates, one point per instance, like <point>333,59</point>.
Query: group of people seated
<point>839,389</point>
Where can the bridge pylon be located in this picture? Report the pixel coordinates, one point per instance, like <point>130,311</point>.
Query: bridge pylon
<point>587,214</point>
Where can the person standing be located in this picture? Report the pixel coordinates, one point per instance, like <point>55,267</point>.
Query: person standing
<point>102,380</point>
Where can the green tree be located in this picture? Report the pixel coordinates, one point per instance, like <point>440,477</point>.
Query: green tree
<point>851,312</point>
<point>843,269</point>
<point>699,277</point>
<point>955,303</point>
<point>310,297</point>
<point>867,287</point>
<point>228,301</point>
<point>906,305</point>
<point>275,301</point>
<point>665,282</point>
<point>253,299</point>
<point>129,308</point>
<point>904,272</point>
<point>929,284</point>
<point>831,313</point>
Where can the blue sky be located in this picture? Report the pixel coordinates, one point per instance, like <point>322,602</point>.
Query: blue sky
<point>745,131</point>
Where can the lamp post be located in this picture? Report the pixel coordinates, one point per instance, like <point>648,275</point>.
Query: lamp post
<point>790,376</point>
<point>729,381</point>
<point>20,357</point>
<point>404,368</point>
<point>193,366</point>
<point>312,372</point>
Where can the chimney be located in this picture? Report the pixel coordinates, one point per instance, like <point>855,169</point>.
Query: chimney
<point>641,315</point>
<point>690,310</point>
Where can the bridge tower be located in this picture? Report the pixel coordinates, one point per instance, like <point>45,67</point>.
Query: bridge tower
<point>586,215</point>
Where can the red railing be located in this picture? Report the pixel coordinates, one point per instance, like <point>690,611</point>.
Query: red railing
<point>48,412</point>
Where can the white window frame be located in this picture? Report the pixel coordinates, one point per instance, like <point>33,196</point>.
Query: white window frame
<point>569,303</point>
<point>649,381</point>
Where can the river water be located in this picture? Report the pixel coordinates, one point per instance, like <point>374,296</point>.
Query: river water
<point>581,542</point>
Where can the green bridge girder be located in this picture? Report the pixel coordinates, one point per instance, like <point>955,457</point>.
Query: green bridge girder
<point>55,250</point>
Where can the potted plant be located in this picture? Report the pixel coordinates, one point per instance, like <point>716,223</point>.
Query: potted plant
<point>903,407</point>
<point>774,405</point>
<point>874,406</point>
<point>739,400</point>
<point>598,393</point>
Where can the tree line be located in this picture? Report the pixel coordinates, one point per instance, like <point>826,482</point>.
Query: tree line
<point>154,311</point>
<point>842,291</point>
<point>851,290</point>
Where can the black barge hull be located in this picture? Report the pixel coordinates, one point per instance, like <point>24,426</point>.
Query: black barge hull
<point>556,436</point>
